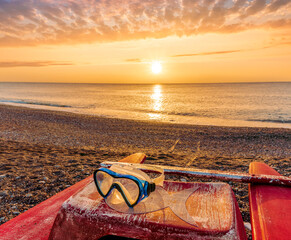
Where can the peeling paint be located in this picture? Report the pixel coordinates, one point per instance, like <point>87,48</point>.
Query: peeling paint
<point>211,206</point>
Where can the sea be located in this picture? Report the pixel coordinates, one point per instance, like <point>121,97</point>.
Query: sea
<point>216,104</point>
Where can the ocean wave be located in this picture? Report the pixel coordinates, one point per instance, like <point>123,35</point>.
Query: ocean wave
<point>270,120</point>
<point>168,113</point>
<point>184,114</point>
<point>35,103</point>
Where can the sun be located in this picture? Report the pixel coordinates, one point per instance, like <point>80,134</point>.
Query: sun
<point>156,67</point>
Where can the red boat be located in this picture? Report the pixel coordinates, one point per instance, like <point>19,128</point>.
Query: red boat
<point>79,212</point>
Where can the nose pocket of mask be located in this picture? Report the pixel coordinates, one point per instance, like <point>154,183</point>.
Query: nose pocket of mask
<point>152,203</point>
<point>129,188</point>
<point>119,190</point>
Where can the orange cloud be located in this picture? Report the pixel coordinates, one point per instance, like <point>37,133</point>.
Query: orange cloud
<point>33,64</point>
<point>137,60</point>
<point>205,53</point>
<point>25,23</point>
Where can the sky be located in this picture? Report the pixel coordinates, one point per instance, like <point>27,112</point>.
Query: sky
<point>117,41</point>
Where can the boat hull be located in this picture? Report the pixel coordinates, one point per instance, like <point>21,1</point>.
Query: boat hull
<point>270,207</point>
<point>37,222</point>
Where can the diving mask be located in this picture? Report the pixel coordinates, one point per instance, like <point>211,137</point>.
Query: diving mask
<point>126,182</point>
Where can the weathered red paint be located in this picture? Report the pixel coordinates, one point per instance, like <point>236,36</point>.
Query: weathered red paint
<point>86,216</point>
<point>270,207</point>
<point>36,223</point>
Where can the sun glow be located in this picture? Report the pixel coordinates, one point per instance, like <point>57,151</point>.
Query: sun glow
<point>156,67</point>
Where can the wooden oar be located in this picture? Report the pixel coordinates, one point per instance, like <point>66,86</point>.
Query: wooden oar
<point>213,174</point>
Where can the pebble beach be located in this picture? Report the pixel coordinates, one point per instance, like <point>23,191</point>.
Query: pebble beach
<point>43,152</point>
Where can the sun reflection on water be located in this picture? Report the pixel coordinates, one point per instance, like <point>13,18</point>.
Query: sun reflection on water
<point>157,98</point>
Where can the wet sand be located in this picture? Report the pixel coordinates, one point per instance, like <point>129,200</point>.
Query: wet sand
<point>43,152</point>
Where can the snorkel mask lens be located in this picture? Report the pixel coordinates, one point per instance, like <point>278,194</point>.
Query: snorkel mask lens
<point>104,181</point>
<point>130,189</point>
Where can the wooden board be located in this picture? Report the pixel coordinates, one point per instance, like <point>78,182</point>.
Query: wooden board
<point>270,207</point>
<point>36,223</point>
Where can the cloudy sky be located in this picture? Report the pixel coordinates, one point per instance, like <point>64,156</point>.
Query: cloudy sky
<point>117,40</point>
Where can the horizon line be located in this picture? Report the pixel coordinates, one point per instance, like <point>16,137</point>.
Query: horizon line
<point>152,83</point>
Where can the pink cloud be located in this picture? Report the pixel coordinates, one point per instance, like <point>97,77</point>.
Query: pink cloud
<point>34,22</point>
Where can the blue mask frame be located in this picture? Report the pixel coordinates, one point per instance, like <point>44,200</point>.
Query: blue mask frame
<point>145,188</point>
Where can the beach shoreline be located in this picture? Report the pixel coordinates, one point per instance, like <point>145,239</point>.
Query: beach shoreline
<point>158,117</point>
<point>43,152</point>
